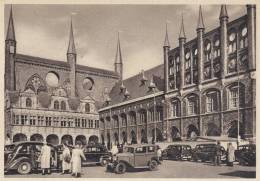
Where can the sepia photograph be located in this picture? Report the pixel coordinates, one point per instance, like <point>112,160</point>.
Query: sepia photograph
<point>129,90</point>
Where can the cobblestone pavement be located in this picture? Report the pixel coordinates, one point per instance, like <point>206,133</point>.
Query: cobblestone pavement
<point>169,169</point>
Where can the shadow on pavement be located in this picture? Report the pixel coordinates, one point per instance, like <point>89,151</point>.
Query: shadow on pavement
<point>243,174</point>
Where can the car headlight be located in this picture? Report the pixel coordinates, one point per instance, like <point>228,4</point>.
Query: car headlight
<point>115,158</point>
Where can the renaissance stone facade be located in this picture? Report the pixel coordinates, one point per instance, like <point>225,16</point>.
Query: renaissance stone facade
<point>205,87</point>
<point>52,100</point>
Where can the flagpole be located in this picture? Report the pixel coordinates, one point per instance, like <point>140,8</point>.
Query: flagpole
<point>238,91</point>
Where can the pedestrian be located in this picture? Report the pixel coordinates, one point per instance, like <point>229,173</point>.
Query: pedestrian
<point>45,158</point>
<point>230,154</point>
<point>218,153</point>
<point>66,159</point>
<point>159,153</point>
<point>8,140</point>
<point>77,154</point>
<point>114,149</point>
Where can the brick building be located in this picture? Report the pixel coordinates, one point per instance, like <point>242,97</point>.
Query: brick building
<point>205,87</point>
<point>52,100</point>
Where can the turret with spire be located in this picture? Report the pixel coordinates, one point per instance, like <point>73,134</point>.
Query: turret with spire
<point>10,51</point>
<point>118,59</point>
<point>72,58</point>
<point>223,18</point>
<point>182,41</point>
<point>200,33</point>
<point>166,49</point>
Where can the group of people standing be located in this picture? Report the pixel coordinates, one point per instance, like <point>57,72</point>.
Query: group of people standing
<point>230,154</point>
<point>71,163</point>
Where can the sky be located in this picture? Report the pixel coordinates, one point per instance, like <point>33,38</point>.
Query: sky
<point>43,31</point>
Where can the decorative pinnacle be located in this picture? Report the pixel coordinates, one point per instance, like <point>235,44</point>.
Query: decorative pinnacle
<point>223,12</point>
<point>200,20</point>
<point>166,40</point>
<point>71,47</point>
<point>118,58</point>
<point>182,32</point>
<point>10,30</point>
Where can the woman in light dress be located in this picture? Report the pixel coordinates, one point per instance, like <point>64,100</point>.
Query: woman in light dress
<point>66,159</point>
<point>45,158</point>
<point>77,155</point>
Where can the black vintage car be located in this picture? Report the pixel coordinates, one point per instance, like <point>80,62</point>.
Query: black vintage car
<point>96,154</point>
<point>206,152</point>
<point>24,157</point>
<point>177,152</point>
<point>246,154</point>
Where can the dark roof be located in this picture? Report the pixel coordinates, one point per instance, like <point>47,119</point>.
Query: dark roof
<point>135,87</point>
<point>62,64</point>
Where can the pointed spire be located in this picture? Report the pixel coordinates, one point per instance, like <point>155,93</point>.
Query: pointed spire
<point>223,12</point>
<point>182,32</point>
<point>166,40</point>
<point>10,31</point>
<point>200,20</point>
<point>118,58</point>
<point>71,47</point>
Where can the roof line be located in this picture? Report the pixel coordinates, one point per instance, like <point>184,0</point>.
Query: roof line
<point>132,100</point>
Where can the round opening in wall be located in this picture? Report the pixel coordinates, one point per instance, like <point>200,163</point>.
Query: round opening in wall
<point>88,83</point>
<point>52,79</point>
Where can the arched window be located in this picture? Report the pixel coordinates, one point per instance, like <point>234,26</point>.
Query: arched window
<point>232,45</point>
<point>175,108</point>
<point>212,101</point>
<point>192,105</point>
<point>216,51</point>
<point>195,56</point>
<point>28,102</point>
<point>87,107</point>
<point>124,121</point>
<point>235,96</point>
<point>187,59</point>
<point>207,50</point>
<point>63,105</point>
<point>56,105</point>
<point>171,66</point>
<point>243,37</point>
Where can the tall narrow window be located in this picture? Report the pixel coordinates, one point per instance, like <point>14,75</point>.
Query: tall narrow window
<point>207,50</point>
<point>243,39</point>
<point>232,46</point>
<point>211,101</point>
<point>28,102</point>
<point>63,105</point>
<point>233,99</point>
<point>87,107</point>
<point>216,51</point>
<point>56,105</point>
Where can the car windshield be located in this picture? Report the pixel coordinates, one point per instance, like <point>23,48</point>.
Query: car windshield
<point>129,149</point>
<point>9,147</point>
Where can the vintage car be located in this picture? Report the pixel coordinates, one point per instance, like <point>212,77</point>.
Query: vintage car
<point>96,154</point>
<point>206,152</point>
<point>177,152</point>
<point>246,154</point>
<point>24,158</point>
<point>135,156</point>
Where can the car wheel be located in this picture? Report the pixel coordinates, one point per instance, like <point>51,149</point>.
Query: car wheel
<point>103,162</point>
<point>120,168</point>
<point>153,165</point>
<point>24,168</point>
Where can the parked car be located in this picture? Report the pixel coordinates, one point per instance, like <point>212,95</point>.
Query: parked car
<point>24,158</point>
<point>246,154</point>
<point>206,152</point>
<point>96,154</point>
<point>7,150</point>
<point>135,156</point>
<point>177,152</point>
